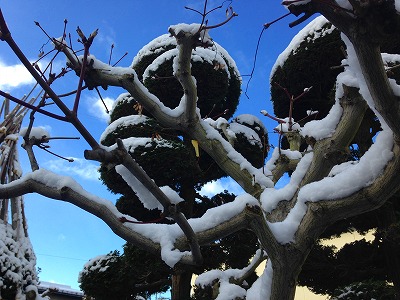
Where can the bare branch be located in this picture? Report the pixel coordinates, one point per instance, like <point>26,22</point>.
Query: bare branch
<point>69,115</point>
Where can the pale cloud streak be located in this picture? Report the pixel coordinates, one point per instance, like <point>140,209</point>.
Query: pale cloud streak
<point>96,108</point>
<point>79,167</point>
<point>61,237</point>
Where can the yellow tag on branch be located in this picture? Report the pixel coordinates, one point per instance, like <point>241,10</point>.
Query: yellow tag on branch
<point>196,147</point>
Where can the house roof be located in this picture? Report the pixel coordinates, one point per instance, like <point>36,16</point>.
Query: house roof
<point>60,289</point>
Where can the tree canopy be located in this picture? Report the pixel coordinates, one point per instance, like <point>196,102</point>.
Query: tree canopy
<point>326,184</point>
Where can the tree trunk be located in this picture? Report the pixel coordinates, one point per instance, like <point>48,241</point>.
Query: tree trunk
<point>284,281</point>
<point>181,285</point>
<point>181,279</point>
<point>285,270</point>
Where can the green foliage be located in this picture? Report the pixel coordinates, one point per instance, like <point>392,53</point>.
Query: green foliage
<point>327,269</point>
<point>169,158</point>
<point>168,162</point>
<point>310,65</point>
<point>217,90</point>
<point>366,290</point>
<point>254,147</point>
<point>124,107</point>
<point>121,277</point>
<point>316,62</point>
<point>129,204</point>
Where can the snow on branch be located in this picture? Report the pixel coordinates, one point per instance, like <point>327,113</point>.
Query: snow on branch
<point>230,281</point>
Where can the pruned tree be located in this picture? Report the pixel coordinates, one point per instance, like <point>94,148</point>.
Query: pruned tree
<point>172,159</point>
<point>324,187</point>
<point>313,59</point>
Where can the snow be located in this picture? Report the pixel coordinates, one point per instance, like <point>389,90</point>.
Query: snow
<point>17,260</point>
<point>36,132</point>
<point>251,120</point>
<point>343,180</point>
<point>145,196</point>
<point>249,133</point>
<point>123,122</point>
<point>191,29</point>
<point>167,234</point>
<point>354,176</point>
<point>320,129</point>
<point>272,196</point>
<point>160,43</point>
<point>284,127</point>
<point>155,46</point>
<point>99,264</point>
<point>258,175</point>
<point>12,137</point>
<point>62,288</point>
<point>313,30</point>
<point>261,288</point>
<point>227,290</point>
<point>198,55</point>
<point>276,154</point>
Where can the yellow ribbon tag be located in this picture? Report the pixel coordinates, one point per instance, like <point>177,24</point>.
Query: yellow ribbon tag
<point>196,147</point>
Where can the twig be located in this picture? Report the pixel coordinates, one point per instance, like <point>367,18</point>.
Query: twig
<point>111,52</point>
<point>254,62</point>
<point>126,53</point>
<point>69,115</point>
<point>102,100</point>
<point>87,42</point>
<point>32,107</point>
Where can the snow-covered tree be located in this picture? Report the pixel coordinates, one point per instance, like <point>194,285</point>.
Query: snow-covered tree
<point>313,58</point>
<point>17,259</point>
<point>325,185</point>
<point>172,158</point>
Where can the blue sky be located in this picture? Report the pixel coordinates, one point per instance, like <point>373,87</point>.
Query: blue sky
<point>63,236</point>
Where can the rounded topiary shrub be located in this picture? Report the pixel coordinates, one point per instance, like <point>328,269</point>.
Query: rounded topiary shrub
<point>167,155</point>
<point>217,77</point>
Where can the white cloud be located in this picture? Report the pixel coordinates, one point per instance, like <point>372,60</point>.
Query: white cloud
<point>79,167</point>
<point>96,107</point>
<point>61,237</point>
<point>14,76</point>
<point>212,188</point>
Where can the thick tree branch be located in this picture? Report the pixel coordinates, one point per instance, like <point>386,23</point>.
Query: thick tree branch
<point>186,44</point>
<point>62,188</point>
<point>323,213</point>
<point>122,156</point>
<point>366,28</point>
<point>36,183</point>
<point>104,75</point>
<point>252,180</point>
<point>330,151</point>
